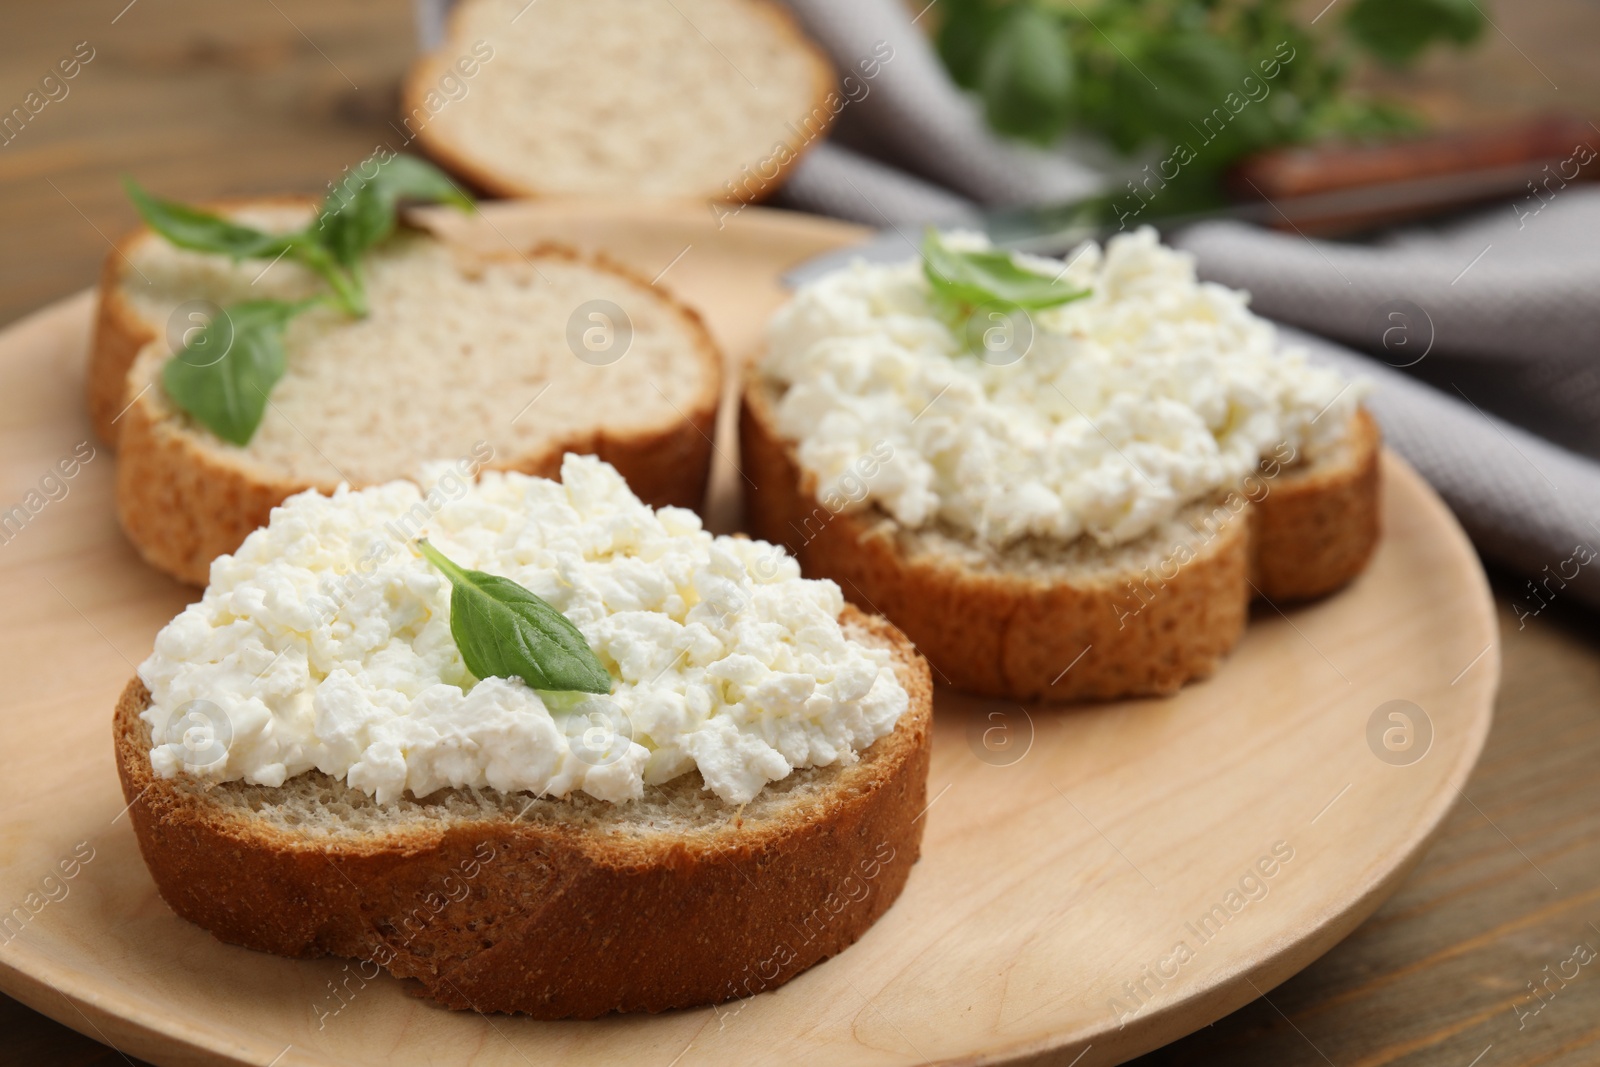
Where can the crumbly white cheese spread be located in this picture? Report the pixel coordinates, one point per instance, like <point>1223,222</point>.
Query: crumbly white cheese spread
<point>1121,407</point>
<point>324,642</point>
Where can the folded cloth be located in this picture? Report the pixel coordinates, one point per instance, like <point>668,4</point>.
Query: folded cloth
<point>1499,310</point>
<point>1472,328</point>
<point>1525,502</point>
<point>833,180</point>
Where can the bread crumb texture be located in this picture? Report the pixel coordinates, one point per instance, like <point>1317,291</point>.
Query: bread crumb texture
<point>616,97</point>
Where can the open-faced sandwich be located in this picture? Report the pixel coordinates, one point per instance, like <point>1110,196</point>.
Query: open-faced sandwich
<point>248,353</point>
<point>535,744</point>
<point>1061,480</point>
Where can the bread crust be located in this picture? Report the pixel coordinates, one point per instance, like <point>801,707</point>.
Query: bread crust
<point>424,74</point>
<point>1319,524</point>
<point>557,920</point>
<point>120,332</point>
<point>183,501</point>
<point>1003,631</point>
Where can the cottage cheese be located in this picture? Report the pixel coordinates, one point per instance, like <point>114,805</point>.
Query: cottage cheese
<point>1150,393</point>
<point>324,643</point>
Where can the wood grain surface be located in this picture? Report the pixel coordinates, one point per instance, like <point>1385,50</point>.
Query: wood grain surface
<point>277,95</point>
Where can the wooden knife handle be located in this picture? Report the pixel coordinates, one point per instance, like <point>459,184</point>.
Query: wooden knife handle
<point>1330,167</point>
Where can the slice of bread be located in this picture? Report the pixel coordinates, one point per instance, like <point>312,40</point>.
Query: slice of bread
<point>704,99</point>
<point>557,908</point>
<point>1042,620</point>
<point>463,357</point>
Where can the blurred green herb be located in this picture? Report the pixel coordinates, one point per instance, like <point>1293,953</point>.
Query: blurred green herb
<point>223,376</point>
<point>1397,31</point>
<point>201,231</point>
<point>965,282</point>
<point>1025,75</point>
<point>1233,76</point>
<point>361,210</point>
<point>988,277</point>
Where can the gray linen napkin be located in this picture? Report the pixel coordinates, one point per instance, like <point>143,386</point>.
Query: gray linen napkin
<point>1525,502</point>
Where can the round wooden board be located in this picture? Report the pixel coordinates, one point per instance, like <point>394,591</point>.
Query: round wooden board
<point>1068,853</point>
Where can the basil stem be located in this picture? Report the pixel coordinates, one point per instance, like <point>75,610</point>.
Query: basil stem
<point>223,377</point>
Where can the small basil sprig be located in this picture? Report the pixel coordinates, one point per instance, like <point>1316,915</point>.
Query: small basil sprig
<point>361,210</point>
<point>1042,68</point>
<point>358,213</point>
<point>967,282</point>
<point>223,376</point>
<point>201,231</point>
<point>988,277</point>
<point>1026,78</point>
<point>505,631</point>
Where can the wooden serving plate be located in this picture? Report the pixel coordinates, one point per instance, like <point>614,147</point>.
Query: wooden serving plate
<point>1068,853</point>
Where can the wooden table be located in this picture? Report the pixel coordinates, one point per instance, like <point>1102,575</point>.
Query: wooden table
<point>278,95</point>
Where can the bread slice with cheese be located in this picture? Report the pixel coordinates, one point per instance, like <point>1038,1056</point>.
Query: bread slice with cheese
<point>506,360</point>
<point>555,907</point>
<point>702,99</point>
<point>1052,621</point>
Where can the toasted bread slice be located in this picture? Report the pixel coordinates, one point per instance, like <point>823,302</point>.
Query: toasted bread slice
<point>703,99</point>
<point>557,908</point>
<point>463,355</point>
<point>1042,620</point>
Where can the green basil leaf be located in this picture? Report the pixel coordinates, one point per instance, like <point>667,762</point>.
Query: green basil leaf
<point>1397,31</point>
<point>1203,82</point>
<point>1026,76</point>
<point>201,231</point>
<point>361,210</point>
<point>222,378</point>
<point>966,32</point>
<point>352,220</point>
<point>974,279</point>
<point>505,631</point>
<point>1201,101</point>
